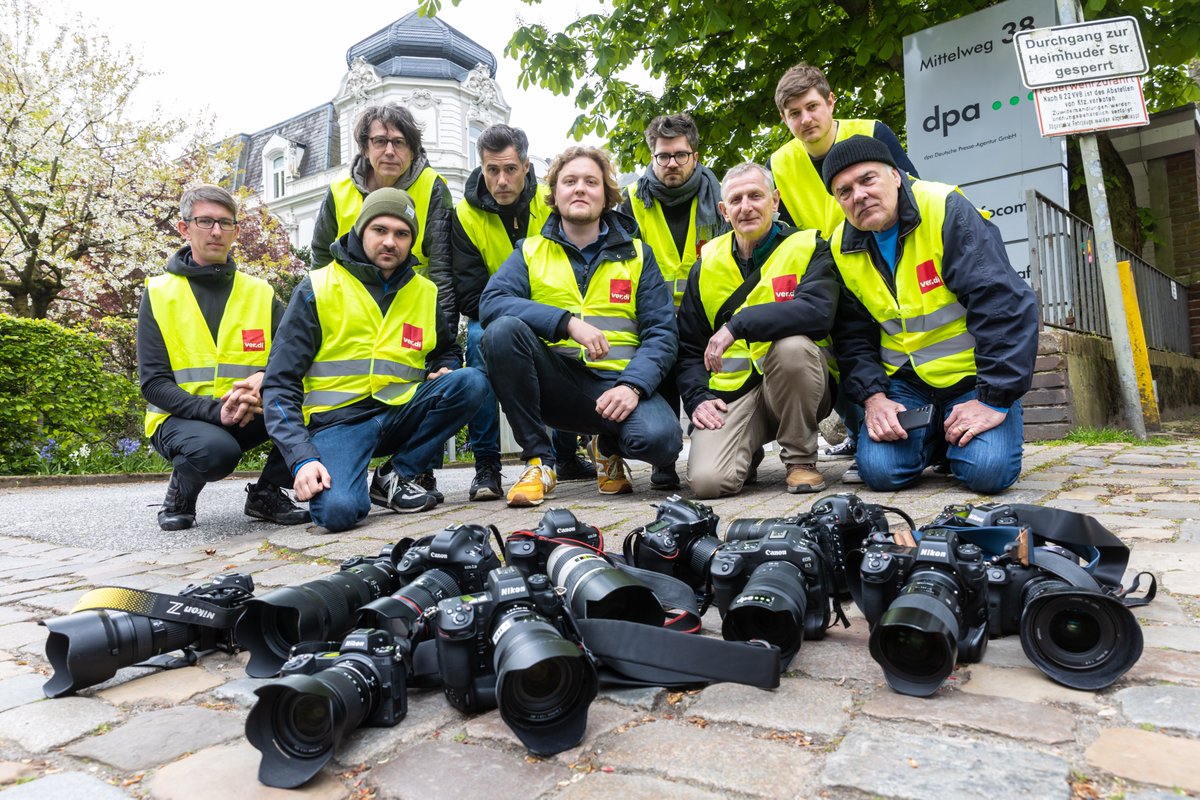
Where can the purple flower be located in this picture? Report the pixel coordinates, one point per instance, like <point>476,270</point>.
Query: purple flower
<point>48,450</point>
<point>127,446</point>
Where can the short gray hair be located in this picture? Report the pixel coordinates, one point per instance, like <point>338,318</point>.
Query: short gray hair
<point>206,191</point>
<point>498,138</point>
<point>742,169</point>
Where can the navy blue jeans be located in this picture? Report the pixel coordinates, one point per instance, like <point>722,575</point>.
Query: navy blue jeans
<point>484,428</point>
<point>412,434</point>
<point>988,464</point>
<point>540,388</point>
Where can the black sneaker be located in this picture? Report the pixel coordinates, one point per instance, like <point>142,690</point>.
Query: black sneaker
<point>178,510</point>
<point>575,469</point>
<point>847,448</point>
<point>664,478</point>
<point>428,482</point>
<point>752,473</point>
<point>400,494</point>
<point>487,485</point>
<point>264,501</point>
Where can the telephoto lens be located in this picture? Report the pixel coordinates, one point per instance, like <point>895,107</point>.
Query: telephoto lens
<point>403,612</point>
<point>301,719</point>
<point>318,611</point>
<point>595,589</point>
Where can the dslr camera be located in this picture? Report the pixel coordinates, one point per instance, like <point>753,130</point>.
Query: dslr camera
<point>770,581</point>
<point>514,646</point>
<point>841,523</point>
<point>927,608</point>
<point>529,550</point>
<point>327,691</point>
<point>680,542</point>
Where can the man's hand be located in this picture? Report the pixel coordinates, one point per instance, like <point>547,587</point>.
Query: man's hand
<point>968,420</point>
<point>242,402</point>
<point>439,373</point>
<point>617,403</point>
<point>882,425</point>
<point>591,337</point>
<point>710,415</point>
<point>311,480</point>
<point>718,343</point>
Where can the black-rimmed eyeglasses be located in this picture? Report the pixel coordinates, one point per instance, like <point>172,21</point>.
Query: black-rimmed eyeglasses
<point>207,222</point>
<point>680,158</point>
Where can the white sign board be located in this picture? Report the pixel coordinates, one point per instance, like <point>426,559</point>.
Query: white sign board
<point>1091,106</point>
<point>1085,51</point>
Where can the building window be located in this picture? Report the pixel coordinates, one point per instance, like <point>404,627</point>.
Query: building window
<point>473,132</point>
<point>277,176</point>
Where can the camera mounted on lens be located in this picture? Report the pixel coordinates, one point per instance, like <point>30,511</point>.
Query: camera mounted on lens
<point>680,543</point>
<point>528,550</point>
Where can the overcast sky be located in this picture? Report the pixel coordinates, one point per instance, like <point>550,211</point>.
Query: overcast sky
<point>253,64</point>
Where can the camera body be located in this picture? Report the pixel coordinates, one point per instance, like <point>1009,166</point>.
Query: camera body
<point>777,541</point>
<point>373,654</point>
<point>461,550</point>
<point>840,523</point>
<point>529,553</point>
<point>983,515</point>
<point>469,627</point>
<point>680,542</point>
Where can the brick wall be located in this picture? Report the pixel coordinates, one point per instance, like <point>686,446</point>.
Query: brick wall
<point>1183,187</point>
<point>1194,315</point>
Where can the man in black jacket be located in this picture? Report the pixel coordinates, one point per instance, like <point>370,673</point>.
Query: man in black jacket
<point>751,369</point>
<point>931,314</point>
<point>502,204</point>
<point>204,330</point>
<point>364,366</point>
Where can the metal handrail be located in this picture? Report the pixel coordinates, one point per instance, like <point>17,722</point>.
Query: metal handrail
<point>1065,273</point>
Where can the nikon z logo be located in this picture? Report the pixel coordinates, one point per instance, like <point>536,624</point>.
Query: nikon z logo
<point>179,609</point>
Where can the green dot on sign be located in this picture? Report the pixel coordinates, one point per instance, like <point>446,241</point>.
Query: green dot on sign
<point>1030,97</point>
<point>1012,101</point>
<point>996,106</point>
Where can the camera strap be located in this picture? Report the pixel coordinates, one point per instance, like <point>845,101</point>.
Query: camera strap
<point>676,597</point>
<point>166,607</point>
<point>631,654</point>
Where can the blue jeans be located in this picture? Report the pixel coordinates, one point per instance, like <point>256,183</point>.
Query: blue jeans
<point>483,429</point>
<point>988,464</point>
<point>412,434</point>
<point>850,411</point>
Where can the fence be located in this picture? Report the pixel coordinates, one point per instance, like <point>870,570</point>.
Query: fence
<point>1065,272</point>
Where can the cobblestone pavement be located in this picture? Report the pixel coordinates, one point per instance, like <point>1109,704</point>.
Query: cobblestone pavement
<point>832,729</point>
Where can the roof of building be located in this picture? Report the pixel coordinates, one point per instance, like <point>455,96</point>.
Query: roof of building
<point>316,129</point>
<point>421,47</point>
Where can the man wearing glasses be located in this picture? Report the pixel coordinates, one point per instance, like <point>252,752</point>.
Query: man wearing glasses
<point>675,205</point>
<point>391,155</point>
<point>204,332</point>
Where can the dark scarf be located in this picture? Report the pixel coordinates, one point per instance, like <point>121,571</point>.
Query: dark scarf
<point>703,185</point>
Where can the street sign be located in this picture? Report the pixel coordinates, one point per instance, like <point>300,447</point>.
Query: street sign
<point>1092,106</point>
<point>1085,51</point>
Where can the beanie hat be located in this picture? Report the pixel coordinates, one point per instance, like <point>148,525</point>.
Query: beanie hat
<point>390,202</point>
<point>851,151</point>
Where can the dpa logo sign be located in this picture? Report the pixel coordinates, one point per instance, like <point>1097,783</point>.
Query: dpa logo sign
<point>943,121</point>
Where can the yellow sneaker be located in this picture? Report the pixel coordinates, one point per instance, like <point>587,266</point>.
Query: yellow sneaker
<point>610,471</point>
<point>536,483</point>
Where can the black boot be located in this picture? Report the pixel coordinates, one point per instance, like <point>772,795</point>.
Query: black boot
<point>178,510</point>
<point>264,501</point>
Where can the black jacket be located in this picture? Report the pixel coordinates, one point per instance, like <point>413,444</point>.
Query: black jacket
<point>211,285</point>
<point>809,313</point>
<point>508,294</point>
<point>1002,311</point>
<point>299,339</point>
<point>467,265</point>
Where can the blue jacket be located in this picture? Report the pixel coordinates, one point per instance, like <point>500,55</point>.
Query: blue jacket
<point>508,295</point>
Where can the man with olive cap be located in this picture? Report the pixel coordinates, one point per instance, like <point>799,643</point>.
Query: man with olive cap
<point>931,313</point>
<point>363,365</point>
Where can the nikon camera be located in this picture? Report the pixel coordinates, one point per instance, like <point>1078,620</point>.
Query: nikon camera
<point>513,646</point>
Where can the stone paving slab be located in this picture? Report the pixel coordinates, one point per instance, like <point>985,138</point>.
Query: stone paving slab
<point>1147,757</point>
<point>42,726</point>
<point>228,771</point>
<point>1173,707</point>
<point>607,785</point>
<point>452,771</point>
<point>21,689</point>
<point>799,705</point>
<point>65,786</point>
<point>152,738</point>
<point>1000,715</point>
<point>1027,683</point>
<point>169,687</point>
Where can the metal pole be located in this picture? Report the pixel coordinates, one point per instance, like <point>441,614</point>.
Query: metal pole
<point>1070,11</point>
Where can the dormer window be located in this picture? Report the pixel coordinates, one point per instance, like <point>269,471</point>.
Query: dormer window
<point>281,160</point>
<point>277,176</point>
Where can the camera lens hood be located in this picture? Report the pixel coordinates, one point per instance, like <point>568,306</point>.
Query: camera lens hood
<point>1079,638</point>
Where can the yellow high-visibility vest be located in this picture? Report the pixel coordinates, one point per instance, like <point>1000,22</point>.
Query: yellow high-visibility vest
<point>654,231</point>
<point>348,200</point>
<point>486,231</point>
<point>799,183</point>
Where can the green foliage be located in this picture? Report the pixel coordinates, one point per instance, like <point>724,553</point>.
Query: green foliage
<point>1090,436</point>
<point>721,60</point>
<point>57,395</point>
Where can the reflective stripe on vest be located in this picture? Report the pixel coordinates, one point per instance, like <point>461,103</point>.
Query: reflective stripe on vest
<point>923,324</point>
<point>800,186</point>
<point>720,277</point>
<point>348,200</point>
<point>654,231</point>
<point>364,353</point>
<point>486,230</point>
<point>610,303</point>
<point>201,366</point>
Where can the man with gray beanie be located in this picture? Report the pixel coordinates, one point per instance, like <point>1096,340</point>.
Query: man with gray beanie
<point>933,315</point>
<point>364,365</point>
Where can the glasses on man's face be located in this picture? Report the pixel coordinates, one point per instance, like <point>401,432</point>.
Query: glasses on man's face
<point>381,142</point>
<point>680,158</point>
<point>207,222</point>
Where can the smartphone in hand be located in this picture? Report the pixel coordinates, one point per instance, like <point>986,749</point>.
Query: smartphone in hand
<point>913,418</point>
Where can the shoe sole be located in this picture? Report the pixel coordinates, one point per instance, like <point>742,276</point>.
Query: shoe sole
<point>664,487</point>
<point>626,489</point>
<point>521,501</point>
<point>172,528</point>
<point>485,494</point>
<point>807,488</point>
<point>853,481</point>
<point>265,518</point>
<point>376,500</point>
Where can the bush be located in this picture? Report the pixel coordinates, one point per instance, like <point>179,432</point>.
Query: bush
<point>57,394</point>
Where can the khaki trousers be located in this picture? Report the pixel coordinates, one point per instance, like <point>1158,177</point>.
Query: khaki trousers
<point>786,407</point>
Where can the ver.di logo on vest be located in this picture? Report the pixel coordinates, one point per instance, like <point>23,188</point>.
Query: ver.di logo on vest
<point>784,287</point>
<point>619,290</point>
<point>253,340</point>
<point>412,337</point>
<point>927,276</point>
